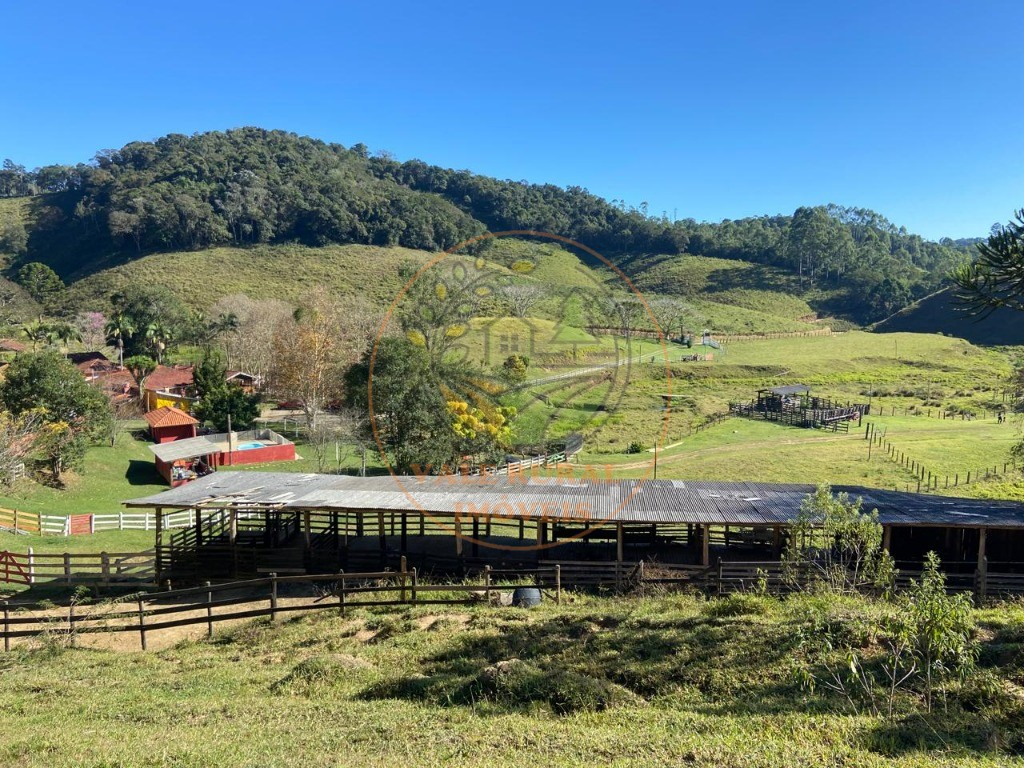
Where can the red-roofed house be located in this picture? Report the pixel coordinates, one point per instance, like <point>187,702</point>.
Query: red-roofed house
<point>169,385</point>
<point>167,424</point>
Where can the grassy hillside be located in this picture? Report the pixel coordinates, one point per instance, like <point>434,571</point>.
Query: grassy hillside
<point>939,313</point>
<point>727,296</point>
<point>672,680</point>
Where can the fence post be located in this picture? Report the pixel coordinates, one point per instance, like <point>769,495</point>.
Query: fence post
<point>558,585</point>
<point>67,567</point>
<point>71,623</point>
<point>719,576</point>
<point>142,624</point>
<point>415,582</point>
<point>487,584</point>
<point>640,577</point>
<point>341,594</point>
<point>7,628</point>
<point>105,567</point>
<point>209,610</point>
<point>92,524</point>
<point>67,526</point>
<point>120,520</point>
<point>31,566</point>
<point>402,577</point>
<point>273,598</point>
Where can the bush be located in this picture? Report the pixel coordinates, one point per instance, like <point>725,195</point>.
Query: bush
<point>634,447</point>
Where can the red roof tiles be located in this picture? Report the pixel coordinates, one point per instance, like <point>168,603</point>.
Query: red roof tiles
<point>168,416</point>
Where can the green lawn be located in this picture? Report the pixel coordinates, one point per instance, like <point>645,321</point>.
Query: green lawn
<point>664,681</point>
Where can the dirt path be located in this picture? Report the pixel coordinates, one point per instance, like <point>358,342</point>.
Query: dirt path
<point>728,448</point>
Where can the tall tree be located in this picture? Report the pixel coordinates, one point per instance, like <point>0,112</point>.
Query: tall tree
<point>41,282</point>
<point>996,279</point>
<point>73,412</point>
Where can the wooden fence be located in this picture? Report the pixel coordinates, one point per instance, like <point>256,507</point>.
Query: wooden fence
<point>103,568</point>
<point>925,478</point>
<point>255,598</point>
<point>36,524</point>
<point>146,613</point>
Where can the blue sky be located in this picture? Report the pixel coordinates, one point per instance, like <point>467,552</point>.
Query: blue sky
<point>702,110</point>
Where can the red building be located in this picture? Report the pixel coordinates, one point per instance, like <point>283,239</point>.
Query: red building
<point>168,423</point>
<point>180,461</point>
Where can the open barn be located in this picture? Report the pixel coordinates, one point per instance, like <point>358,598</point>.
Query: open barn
<point>245,523</point>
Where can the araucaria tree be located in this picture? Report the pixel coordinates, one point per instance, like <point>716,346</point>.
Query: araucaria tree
<point>72,413</point>
<point>996,279</point>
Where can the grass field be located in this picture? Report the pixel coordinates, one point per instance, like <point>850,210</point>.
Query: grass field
<point>854,366</point>
<point>598,681</point>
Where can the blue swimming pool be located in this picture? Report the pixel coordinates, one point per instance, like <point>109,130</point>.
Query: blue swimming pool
<point>249,446</point>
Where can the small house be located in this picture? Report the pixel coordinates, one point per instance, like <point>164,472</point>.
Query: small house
<point>167,424</point>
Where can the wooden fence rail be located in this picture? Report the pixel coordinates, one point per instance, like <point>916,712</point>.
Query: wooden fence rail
<point>255,598</point>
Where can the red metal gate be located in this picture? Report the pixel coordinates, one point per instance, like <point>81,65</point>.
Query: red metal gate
<point>14,568</point>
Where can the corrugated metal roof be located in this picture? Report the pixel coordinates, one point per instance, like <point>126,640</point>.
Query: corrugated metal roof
<point>639,501</point>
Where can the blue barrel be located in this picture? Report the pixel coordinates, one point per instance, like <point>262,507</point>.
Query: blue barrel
<point>526,597</point>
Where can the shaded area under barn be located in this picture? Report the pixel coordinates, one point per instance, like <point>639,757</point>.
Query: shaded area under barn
<point>246,523</point>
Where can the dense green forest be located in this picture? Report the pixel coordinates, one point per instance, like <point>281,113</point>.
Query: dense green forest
<point>252,186</point>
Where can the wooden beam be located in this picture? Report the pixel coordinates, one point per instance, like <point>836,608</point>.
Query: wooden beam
<point>981,545</point>
<point>306,534</point>
<point>705,540</point>
<point>233,525</point>
<point>382,532</point>
<point>405,532</point>
<point>619,543</point>
<point>458,537</point>
<point>887,538</point>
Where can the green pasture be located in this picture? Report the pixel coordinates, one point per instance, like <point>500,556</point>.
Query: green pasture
<point>660,681</point>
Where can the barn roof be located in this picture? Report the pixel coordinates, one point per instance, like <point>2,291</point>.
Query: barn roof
<point>637,501</point>
<point>169,416</point>
<point>789,389</point>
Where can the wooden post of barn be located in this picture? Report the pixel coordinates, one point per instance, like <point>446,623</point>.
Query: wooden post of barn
<point>7,626</point>
<point>705,538</point>
<point>558,585</point>
<point>487,584</point>
<point>982,585</point>
<point>142,623</point>
<point>458,537</point>
<point>415,583</point>
<point>209,610</point>
<point>341,593</point>
<point>382,535</point>
<point>476,536</point>
<point>887,538</point>
<point>273,598</point>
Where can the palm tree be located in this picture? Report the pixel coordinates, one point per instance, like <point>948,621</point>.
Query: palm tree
<point>65,333</point>
<point>38,331</point>
<point>117,329</point>
<point>157,336</point>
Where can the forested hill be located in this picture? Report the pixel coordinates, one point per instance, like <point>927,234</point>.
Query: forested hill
<point>251,186</point>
